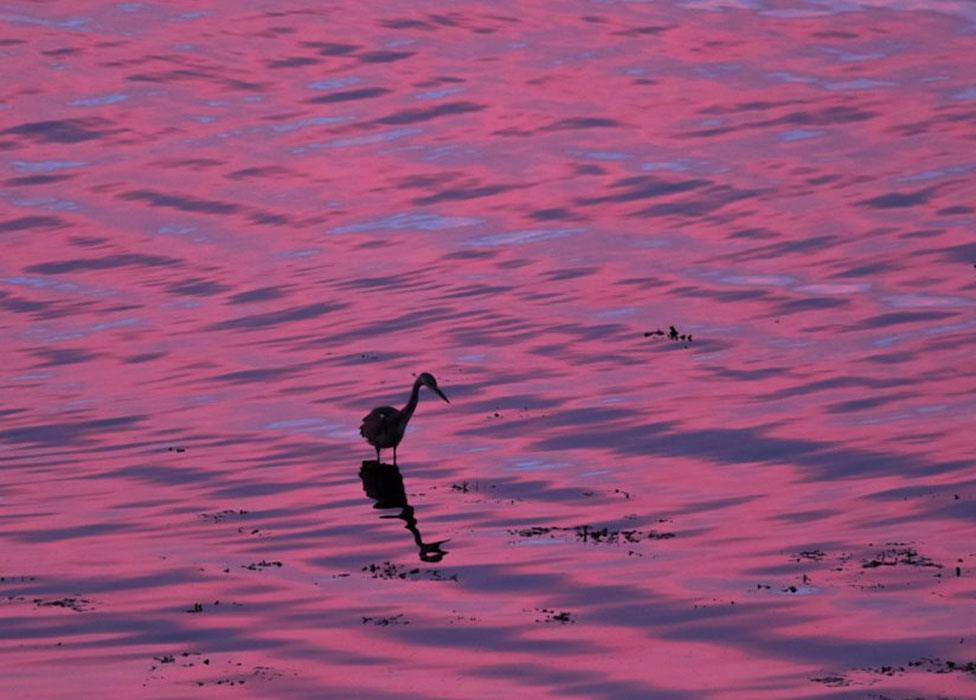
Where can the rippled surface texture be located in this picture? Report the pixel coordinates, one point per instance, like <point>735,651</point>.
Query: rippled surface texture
<point>230,229</point>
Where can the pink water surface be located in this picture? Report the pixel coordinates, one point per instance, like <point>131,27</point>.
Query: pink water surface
<point>229,229</point>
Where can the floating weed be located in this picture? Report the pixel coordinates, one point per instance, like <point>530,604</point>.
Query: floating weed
<point>549,616</point>
<point>385,621</point>
<point>222,515</point>
<point>262,565</point>
<point>390,571</point>
<point>590,534</point>
<point>76,604</point>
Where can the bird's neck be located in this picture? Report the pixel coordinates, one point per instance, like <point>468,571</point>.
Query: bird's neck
<point>412,403</point>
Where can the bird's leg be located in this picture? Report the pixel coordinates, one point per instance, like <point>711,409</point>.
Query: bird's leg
<point>377,455</point>
<point>394,456</point>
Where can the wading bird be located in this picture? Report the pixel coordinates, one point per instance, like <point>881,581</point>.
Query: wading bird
<point>385,425</point>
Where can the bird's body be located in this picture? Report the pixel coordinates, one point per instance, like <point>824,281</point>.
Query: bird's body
<point>381,427</point>
<point>385,426</point>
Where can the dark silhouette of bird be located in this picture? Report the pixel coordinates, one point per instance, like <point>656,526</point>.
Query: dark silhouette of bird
<point>384,484</point>
<point>384,426</point>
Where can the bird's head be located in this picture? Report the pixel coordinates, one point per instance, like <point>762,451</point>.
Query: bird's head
<point>427,379</point>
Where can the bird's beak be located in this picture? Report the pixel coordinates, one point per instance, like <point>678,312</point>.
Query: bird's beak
<point>440,393</point>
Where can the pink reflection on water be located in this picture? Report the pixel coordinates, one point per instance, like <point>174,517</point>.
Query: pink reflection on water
<point>227,234</point>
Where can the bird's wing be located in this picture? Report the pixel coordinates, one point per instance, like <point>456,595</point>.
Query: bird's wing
<point>375,419</point>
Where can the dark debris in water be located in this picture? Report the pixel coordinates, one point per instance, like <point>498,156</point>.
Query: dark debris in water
<point>934,664</point>
<point>470,486</point>
<point>832,681</point>
<point>458,617</point>
<point>618,492</point>
<point>810,555</point>
<point>222,515</point>
<point>929,664</point>
<point>671,334</point>
<point>262,565</point>
<point>588,533</point>
<point>476,487</point>
<point>898,556</point>
<point>890,554</point>
<point>264,673</point>
<point>76,604</point>
<point>550,615</point>
<point>199,607</point>
<point>386,621</point>
<point>791,588</point>
<point>196,663</point>
<point>390,571</point>
<point>884,670</point>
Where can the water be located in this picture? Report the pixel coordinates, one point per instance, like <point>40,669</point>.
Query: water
<point>228,233</point>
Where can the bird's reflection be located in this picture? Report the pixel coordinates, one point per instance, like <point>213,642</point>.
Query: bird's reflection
<point>384,484</point>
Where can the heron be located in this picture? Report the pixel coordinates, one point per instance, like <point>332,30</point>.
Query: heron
<point>385,425</point>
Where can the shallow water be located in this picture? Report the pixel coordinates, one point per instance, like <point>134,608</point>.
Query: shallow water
<point>228,233</point>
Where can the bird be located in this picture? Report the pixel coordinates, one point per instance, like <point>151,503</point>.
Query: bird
<point>384,426</point>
